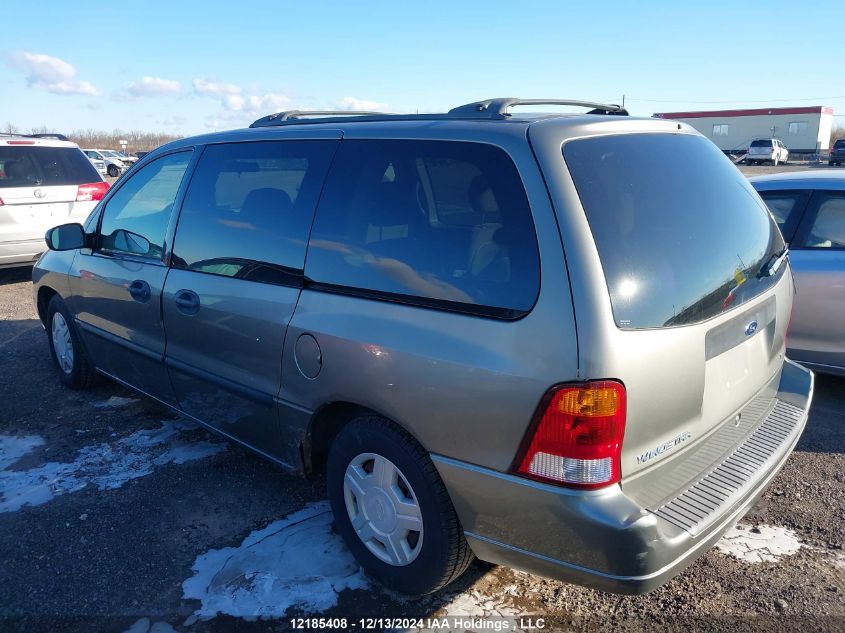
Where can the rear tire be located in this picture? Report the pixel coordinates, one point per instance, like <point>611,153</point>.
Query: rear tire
<point>69,357</point>
<point>113,171</point>
<point>400,490</point>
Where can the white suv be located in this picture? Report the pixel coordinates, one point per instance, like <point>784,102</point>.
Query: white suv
<point>767,150</point>
<point>114,163</point>
<point>43,183</point>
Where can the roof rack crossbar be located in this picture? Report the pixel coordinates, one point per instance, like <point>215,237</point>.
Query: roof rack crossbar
<point>288,115</point>
<point>498,108</point>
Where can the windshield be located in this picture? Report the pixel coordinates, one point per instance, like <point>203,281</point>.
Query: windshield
<point>681,234</point>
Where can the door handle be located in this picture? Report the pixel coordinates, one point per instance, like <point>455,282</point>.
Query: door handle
<point>187,302</point>
<point>140,290</point>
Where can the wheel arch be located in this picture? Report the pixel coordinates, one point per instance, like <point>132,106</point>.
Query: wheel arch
<point>43,298</point>
<point>324,425</point>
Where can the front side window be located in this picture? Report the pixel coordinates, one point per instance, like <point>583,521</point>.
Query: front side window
<point>249,207</point>
<point>136,217</point>
<point>442,223</point>
<point>828,228</point>
<point>786,208</point>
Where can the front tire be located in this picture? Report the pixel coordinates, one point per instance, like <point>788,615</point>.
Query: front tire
<point>69,357</point>
<point>392,509</point>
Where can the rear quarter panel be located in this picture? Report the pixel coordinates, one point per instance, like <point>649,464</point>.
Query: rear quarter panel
<point>466,387</point>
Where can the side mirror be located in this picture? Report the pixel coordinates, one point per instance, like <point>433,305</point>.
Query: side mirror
<point>65,237</point>
<point>130,242</point>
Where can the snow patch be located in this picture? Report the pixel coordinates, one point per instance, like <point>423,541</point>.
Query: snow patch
<point>295,562</point>
<point>106,466</point>
<point>12,448</point>
<point>115,402</point>
<point>475,604</point>
<point>144,626</point>
<point>760,544</point>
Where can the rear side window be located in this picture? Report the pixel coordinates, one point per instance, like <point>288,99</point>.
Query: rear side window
<point>445,224</point>
<point>249,207</point>
<point>136,216</point>
<point>681,234</point>
<point>33,166</point>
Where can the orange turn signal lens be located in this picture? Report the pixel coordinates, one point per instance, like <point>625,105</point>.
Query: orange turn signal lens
<point>602,401</point>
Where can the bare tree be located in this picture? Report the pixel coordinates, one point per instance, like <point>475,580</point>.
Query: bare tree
<point>137,140</point>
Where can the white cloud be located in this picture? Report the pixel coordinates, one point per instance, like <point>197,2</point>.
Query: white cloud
<point>260,105</point>
<point>211,87</point>
<point>351,103</point>
<point>153,87</point>
<point>51,74</point>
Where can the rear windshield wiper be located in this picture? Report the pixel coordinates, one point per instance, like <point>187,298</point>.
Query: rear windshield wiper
<point>774,263</point>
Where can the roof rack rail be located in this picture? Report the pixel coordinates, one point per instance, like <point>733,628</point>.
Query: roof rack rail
<point>498,108</point>
<point>289,115</point>
<point>51,135</point>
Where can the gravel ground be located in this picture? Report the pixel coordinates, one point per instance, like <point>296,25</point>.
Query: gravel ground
<point>139,500</point>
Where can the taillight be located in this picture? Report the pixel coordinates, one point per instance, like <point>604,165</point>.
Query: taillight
<point>20,142</point>
<point>1,202</point>
<point>576,436</point>
<point>92,191</point>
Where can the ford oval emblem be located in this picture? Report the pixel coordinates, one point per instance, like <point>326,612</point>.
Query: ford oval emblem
<point>751,328</point>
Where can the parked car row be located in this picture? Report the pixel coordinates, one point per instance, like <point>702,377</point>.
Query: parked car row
<point>386,299</point>
<point>110,162</point>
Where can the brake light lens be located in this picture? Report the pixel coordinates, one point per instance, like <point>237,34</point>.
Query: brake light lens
<point>20,142</point>
<point>91,191</point>
<point>575,438</point>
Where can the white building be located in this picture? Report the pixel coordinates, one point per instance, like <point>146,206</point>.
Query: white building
<point>802,129</point>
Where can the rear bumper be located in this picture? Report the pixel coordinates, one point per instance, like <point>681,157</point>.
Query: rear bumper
<point>605,539</point>
<point>21,252</point>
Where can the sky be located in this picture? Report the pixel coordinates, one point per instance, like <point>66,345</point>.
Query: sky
<point>186,67</point>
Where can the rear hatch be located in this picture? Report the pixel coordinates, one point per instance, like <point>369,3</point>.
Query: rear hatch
<point>39,186</point>
<point>692,311</point>
<point>761,148</point>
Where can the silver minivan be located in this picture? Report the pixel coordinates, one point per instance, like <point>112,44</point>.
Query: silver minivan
<point>554,342</point>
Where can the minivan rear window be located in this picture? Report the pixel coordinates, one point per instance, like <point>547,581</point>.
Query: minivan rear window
<point>681,234</point>
<point>40,166</point>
